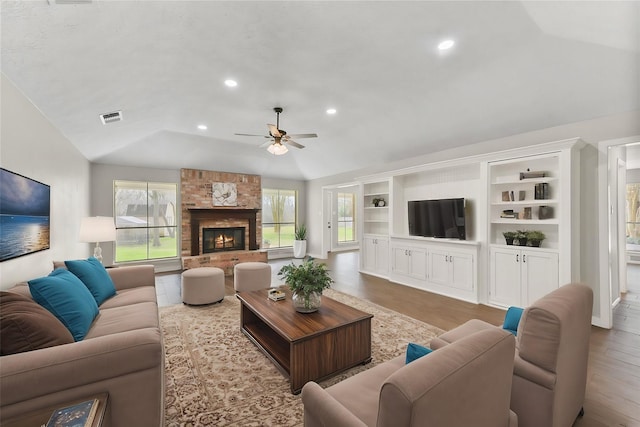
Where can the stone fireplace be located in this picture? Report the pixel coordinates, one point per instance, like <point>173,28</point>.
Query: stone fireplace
<point>200,213</point>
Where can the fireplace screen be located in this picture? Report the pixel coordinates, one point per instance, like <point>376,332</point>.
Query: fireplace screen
<point>222,239</point>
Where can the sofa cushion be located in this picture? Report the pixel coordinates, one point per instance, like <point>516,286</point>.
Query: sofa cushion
<point>126,318</point>
<point>64,295</point>
<point>94,276</point>
<point>131,296</point>
<point>26,326</point>
<point>415,351</point>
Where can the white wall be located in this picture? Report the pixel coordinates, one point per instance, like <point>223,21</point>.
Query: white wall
<point>33,147</point>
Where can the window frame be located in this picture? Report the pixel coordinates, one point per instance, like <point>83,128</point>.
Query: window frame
<point>275,224</point>
<point>145,186</point>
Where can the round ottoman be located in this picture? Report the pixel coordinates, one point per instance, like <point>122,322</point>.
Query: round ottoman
<point>202,285</point>
<point>251,276</point>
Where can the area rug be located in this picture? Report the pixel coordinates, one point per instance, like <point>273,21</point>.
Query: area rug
<point>216,376</point>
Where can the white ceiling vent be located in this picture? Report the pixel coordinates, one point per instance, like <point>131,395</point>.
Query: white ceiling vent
<point>106,118</point>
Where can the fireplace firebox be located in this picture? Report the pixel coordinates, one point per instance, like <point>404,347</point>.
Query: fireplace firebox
<point>222,239</point>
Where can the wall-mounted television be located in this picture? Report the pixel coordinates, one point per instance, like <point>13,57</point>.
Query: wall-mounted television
<point>443,218</point>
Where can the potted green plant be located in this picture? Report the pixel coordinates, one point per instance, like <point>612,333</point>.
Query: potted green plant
<point>307,281</point>
<point>509,236</point>
<point>521,237</point>
<point>300,242</point>
<point>535,238</point>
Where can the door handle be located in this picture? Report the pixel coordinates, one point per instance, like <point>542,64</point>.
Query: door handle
<point>517,258</point>
<point>524,258</point>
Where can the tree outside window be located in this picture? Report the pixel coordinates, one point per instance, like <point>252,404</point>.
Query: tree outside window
<point>633,214</point>
<point>278,217</point>
<point>145,215</point>
<point>346,217</point>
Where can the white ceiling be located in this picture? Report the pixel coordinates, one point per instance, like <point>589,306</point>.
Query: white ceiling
<point>516,67</point>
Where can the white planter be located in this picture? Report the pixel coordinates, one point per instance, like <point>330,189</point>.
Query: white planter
<point>299,248</point>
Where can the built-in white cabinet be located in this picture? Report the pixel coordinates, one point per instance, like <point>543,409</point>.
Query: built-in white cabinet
<point>443,266</point>
<point>409,261</point>
<point>451,268</point>
<point>376,207</point>
<point>375,255</point>
<point>532,193</point>
<point>534,188</point>
<point>521,276</point>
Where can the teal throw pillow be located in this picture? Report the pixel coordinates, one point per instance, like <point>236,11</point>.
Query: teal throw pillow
<point>415,351</point>
<point>67,298</point>
<point>95,278</point>
<point>512,319</point>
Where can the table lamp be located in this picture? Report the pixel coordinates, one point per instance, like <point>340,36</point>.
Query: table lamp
<point>97,229</point>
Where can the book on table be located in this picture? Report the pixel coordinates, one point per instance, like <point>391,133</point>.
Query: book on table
<point>78,415</point>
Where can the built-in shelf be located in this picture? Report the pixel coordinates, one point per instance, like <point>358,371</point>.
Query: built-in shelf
<point>525,221</point>
<point>526,202</point>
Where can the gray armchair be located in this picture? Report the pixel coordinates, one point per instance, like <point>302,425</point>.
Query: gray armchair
<point>467,383</point>
<point>552,350</point>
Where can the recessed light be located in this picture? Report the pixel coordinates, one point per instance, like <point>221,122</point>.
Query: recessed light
<point>202,127</point>
<point>231,83</point>
<point>332,111</point>
<point>447,44</point>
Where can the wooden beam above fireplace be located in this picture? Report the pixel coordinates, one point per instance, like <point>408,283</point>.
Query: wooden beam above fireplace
<point>198,215</point>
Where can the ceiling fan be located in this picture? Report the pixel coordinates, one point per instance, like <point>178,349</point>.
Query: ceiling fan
<point>280,137</point>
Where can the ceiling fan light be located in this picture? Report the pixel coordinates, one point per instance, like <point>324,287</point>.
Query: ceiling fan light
<point>277,149</point>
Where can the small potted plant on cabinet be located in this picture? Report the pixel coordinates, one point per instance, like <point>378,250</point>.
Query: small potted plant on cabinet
<point>535,238</point>
<point>509,236</point>
<point>300,242</point>
<point>306,281</point>
<point>521,237</point>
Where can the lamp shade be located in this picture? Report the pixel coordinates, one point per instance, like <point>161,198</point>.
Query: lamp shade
<point>97,229</point>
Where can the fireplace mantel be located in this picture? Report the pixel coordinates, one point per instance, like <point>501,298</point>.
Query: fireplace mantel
<point>198,215</point>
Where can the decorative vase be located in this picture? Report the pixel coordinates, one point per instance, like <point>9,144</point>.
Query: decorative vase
<point>306,303</point>
<point>299,248</point>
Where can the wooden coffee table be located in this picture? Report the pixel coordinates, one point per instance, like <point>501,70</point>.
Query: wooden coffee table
<point>306,347</point>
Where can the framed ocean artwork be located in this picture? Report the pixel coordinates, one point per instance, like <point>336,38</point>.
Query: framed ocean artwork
<point>25,206</point>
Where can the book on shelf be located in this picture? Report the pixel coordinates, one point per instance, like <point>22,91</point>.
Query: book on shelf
<point>508,213</point>
<point>79,415</point>
<point>541,191</point>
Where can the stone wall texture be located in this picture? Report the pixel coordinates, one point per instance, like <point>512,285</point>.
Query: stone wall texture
<point>196,191</point>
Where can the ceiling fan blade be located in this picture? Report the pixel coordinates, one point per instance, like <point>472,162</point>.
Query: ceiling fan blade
<point>293,143</point>
<point>304,135</point>
<point>273,129</point>
<point>251,134</point>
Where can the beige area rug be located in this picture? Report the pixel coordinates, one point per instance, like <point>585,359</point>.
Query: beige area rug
<point>216,376</point>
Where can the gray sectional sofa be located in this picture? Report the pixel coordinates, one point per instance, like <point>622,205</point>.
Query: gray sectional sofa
<point>122,354</point>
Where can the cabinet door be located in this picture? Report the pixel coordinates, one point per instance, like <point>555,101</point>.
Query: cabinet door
<point>418,263</point>
<point>439,266</point>
<point>539,275</point>
<point>400,260</point>
<point>369,254</point>
<point>461,270</point>
<point>505,276</point>
<point>382,255</point>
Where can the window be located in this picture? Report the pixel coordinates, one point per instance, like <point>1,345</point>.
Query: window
<point>633,214</point>
<point>145,220</point>
<point>346,217</point>
<point>278,217</point>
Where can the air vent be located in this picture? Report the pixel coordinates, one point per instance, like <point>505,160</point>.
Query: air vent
<point>106,118</point>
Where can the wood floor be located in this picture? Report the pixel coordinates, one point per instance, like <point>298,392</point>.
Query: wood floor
<point>613,388</point>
